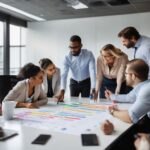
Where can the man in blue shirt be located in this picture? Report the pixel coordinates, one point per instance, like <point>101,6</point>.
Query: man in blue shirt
<point>135,69</point>
<point>131,38</point>
<point>81,62</point>
<point>136,83</point>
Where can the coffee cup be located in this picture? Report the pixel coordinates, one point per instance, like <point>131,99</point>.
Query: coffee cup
<point>8,109</point>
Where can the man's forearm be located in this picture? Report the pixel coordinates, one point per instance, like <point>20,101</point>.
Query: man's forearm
<point>122,115</point>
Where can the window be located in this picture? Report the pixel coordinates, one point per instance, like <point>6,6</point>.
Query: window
<point>17,48</point>
<point>1,47</point>
<point>12,50</point>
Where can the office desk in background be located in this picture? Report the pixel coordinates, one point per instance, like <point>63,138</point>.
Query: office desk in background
<point>58,141</point>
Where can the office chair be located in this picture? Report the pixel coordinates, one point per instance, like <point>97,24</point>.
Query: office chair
<point>7,82</point>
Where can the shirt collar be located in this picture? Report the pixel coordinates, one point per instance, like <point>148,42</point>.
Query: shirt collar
<point>141,83</point>
<point>78,55</point>
<point>138,43</point>
<point>81,53</point>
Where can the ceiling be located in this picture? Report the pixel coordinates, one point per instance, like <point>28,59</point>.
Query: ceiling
<point>58,9</point>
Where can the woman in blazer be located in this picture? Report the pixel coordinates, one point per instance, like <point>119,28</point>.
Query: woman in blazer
<point>28,92</point>
<point>111,66</point>
<point>51,82</point>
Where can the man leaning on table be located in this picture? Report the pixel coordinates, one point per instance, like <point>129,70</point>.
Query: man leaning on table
<point>139,44</point>
<point>142,104</point>
<point>81,62</point>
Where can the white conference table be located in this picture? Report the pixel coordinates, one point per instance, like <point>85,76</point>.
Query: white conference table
<point>58,141</point>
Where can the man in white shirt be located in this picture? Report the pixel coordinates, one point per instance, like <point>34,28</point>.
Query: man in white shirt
<point>131,38</point>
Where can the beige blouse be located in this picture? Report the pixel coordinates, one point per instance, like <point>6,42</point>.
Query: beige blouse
<point>117,71</point>
<point>19,93</point>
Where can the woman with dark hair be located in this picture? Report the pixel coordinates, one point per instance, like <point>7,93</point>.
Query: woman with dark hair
<point>28,93</point>
<point>51,82</point>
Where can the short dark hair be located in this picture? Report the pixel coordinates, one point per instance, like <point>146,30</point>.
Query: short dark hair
<point>45,62</point>
<point>75,38</point>
<point>29,70</point>
<point>129,32</point>
<point>140,68</point>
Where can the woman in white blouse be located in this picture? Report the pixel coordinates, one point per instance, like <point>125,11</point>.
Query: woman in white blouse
<point>111,66</point>
<point>28,92</point>
<point>51,83</point>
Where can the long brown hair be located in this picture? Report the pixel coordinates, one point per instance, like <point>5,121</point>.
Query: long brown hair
<point>112,50</point>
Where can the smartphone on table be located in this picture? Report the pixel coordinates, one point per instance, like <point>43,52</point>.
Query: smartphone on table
<point>42,139</point>
<point>89,140</point>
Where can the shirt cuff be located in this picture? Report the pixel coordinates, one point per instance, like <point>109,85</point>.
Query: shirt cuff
<point>93,85</point>
<point>62,87</point>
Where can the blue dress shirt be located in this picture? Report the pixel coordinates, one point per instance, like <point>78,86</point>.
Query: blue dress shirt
<point>143,50</point>
<point>82,67</point>
<point>142,104</point>
<point>131,96</point>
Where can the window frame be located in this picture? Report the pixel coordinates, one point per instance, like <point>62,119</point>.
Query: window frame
<point>7,20</point>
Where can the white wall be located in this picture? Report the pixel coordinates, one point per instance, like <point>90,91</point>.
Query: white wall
<point>50,39</point>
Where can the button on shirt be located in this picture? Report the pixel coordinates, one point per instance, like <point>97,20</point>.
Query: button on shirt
<point>142,103</point>
<point>82,67</point>
<point>143,50</point>
<point>131,96</point>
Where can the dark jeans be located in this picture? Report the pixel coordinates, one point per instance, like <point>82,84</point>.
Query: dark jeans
<point>111,85</point>
<point>126,140</point>
<point>82,87</point>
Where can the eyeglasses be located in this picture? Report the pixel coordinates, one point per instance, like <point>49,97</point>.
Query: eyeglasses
<point>130,73</point>
<point>126,73</point>
<point>73,47</point>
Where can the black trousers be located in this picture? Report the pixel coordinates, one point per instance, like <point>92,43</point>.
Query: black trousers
<point>126,140</point>
<point>82,87</point>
